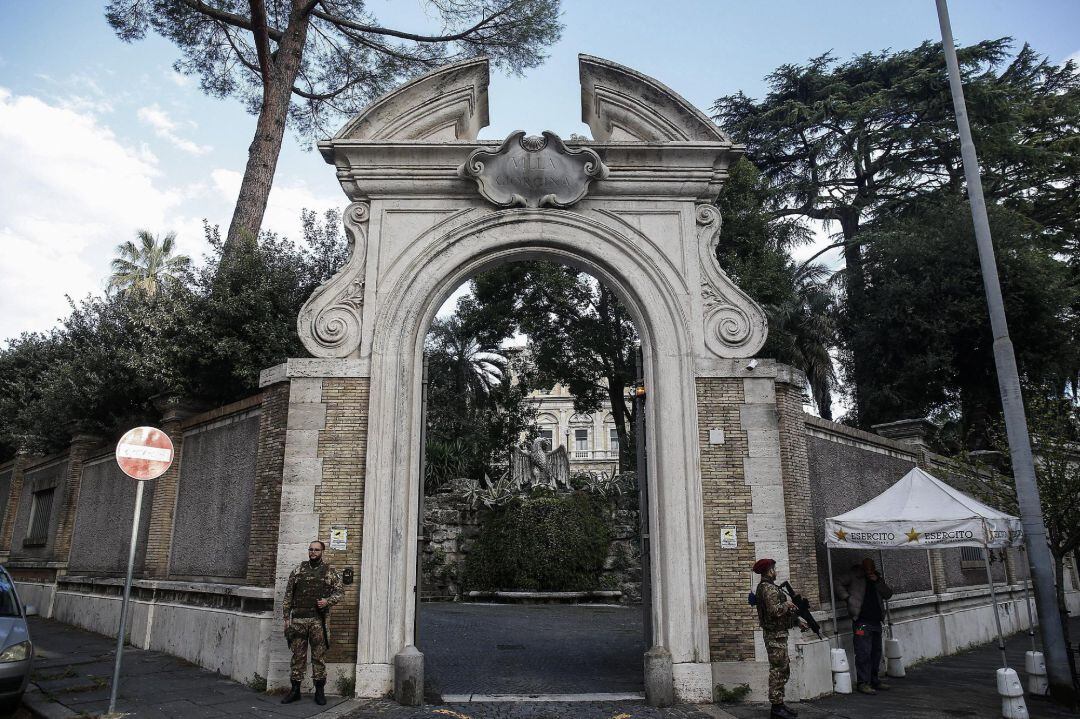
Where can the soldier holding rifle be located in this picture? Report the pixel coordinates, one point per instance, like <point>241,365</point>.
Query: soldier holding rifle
<point>777,614</point>
<point>314,586</point>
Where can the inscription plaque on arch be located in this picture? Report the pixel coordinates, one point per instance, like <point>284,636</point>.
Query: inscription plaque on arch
<point>534,171</point>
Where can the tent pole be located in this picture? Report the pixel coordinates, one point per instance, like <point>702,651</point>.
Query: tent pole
<point>1027,605</point>
<point>832,598</point>
<point>993,600</point>
<point>888,612</point>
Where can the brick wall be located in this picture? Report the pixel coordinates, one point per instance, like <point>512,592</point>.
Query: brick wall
<point>163,506</point>
<point>266,502</point>
<point>82,446</point>
<point>798,503</point>
<point>726,500</point>
<point>7,522</point>
<point>339,500</point>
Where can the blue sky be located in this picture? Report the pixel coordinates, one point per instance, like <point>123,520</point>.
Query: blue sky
<point>99,138</point>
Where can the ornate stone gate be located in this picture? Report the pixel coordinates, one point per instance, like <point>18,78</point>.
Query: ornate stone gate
<point>432,206</point>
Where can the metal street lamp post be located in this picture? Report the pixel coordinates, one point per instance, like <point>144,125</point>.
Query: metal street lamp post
<point>1027,491</point>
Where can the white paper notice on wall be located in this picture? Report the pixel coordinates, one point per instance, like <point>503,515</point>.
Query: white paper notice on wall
<point>716,436</point>
<point>339,537</point>
<point>728,538</point>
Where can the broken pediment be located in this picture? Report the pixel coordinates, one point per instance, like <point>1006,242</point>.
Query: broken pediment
<point>622,105</point>
<point>448,104</point>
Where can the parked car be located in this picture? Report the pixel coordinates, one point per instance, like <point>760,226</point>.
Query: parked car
<point>16,649</point>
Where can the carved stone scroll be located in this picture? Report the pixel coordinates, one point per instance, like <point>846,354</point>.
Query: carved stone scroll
<point>734,325</point>
<point>534,171</point>
<point>330,321</point>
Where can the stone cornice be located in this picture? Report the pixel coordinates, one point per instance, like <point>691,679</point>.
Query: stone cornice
<point>676,170</point>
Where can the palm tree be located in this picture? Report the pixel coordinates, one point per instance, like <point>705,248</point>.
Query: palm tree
<point>804,329</point>
<point>148,266</point>
<point>477,369</point>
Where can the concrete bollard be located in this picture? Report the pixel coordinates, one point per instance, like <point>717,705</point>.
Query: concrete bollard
<point>1012,695</point>
<point>409,677</point>
<point>659,682</point>
<point>841,672</point>
<point>894,658</point>
<point>1035,666</point>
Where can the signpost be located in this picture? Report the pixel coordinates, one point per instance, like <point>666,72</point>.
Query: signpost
<point>143,453</point>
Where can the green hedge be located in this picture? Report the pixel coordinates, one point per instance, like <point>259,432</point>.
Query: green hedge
<point>540,543</point>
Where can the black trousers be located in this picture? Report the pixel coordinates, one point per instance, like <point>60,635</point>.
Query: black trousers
<point>867,641</point>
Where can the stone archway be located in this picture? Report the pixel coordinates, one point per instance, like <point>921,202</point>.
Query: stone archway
<point>632,209</point>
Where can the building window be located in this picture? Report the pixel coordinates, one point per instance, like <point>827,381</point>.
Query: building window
<point>613,442</point>
<point>971,558</point>
<point>581,443</point>
<point>37,533</point>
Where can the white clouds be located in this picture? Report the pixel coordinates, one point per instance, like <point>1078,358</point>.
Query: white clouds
<point>70,192</point>
<point>178,79</point>
<point>165,128</point>
<point>284,206</point>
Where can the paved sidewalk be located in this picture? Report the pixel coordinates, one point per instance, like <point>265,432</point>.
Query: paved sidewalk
<point>73,669</point>
<point>960,685</point>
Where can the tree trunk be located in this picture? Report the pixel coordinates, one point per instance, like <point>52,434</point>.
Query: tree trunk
<point>266,145</point>
<point>1059,579</point>
<point>616,390</point>
<point>856,308</point>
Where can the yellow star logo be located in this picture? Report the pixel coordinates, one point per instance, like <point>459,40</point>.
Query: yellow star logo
<point>840,534</point>
<point>912,536</point>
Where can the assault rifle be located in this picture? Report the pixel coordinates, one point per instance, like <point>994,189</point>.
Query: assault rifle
<point>803,605</point>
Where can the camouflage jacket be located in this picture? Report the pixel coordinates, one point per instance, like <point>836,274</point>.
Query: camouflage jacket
<point>774,612</point>
<point>308,584</point>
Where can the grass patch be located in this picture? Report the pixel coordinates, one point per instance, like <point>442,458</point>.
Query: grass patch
<point>734,695</point>
<point>346,685</point>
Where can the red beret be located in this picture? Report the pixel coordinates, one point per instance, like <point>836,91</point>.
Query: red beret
<point>762,565</point>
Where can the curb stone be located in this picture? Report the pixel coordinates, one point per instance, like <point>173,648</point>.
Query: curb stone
<point>42,707</point>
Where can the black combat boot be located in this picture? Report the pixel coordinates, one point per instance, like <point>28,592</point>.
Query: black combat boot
<point>320,698</point>
<point>292,696</point>
<point>790,711</point>
<point>779,711</point>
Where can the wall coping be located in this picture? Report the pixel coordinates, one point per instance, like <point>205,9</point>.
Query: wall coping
<point>223,411</point>
<point>823,428</point>
<point>36,463</point>
<point>763,368</point>
<point>233,590</point>
<point>312,367</point>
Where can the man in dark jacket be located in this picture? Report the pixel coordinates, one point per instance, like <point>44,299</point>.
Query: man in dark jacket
<point>865,592</point>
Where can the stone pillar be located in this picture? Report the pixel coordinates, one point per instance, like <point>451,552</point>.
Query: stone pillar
<point>162,509</point>
<point>802,551</point>
<point>323,465</point>
<point>82,446</point>
<point>915,432</point>
<point>7,522</point>
<point>937,571</point>
<point>753,455</point>
<point>266,504</point>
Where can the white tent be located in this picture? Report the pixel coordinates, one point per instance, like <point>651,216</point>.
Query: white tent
<point>922,512</point>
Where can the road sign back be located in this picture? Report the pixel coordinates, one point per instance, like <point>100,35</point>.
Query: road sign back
<point>144,453</point>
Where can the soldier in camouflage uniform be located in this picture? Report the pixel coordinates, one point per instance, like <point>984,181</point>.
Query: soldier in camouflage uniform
<point>313,588</point>
<point>777,615</point>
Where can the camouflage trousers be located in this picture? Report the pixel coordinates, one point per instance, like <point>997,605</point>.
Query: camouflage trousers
<point>306,633</point>
<point>779,666</point>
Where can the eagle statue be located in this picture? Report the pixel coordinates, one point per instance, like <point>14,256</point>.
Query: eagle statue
<point>540,467</point>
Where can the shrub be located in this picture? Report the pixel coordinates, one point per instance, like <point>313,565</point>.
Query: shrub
<point>734,695</point>
<point>540,543</point>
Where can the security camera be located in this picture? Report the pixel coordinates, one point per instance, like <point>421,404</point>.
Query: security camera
<point>751,365</point>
